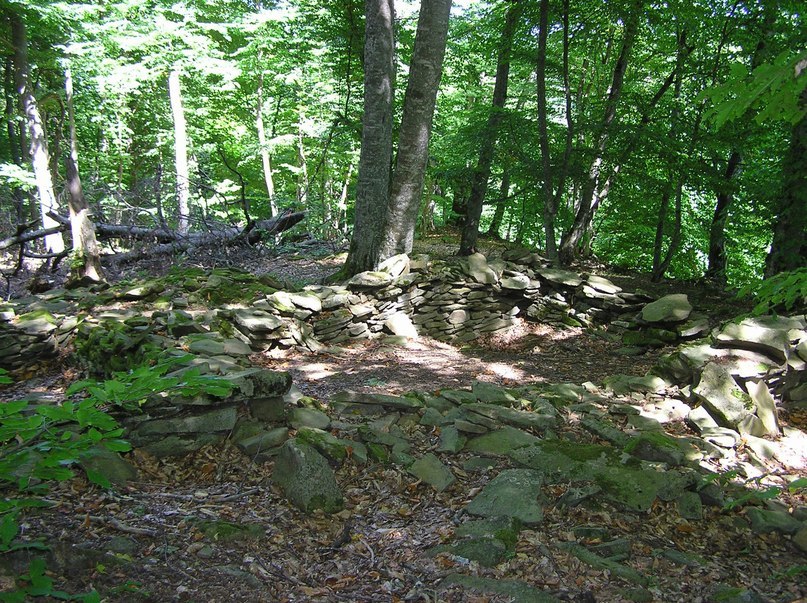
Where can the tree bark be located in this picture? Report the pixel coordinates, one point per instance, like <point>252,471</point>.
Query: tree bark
<point>180,152</point>
<point>86,263</point>
<point>266,158</point>
<point>501,204</point>
<point>572,238</point>
<point>416,125</point>
<point>54,243</point>
<point>481,175</point>
<point>372,190</point>
<point>717,233</point>
<point>550,209</point>
<point>14,140</point>
<point>789,246</point>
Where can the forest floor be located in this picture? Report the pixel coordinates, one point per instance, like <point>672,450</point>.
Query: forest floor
<point>163,549</point>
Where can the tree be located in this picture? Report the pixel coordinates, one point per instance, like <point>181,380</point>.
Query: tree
<point>481,174</point>
<point>372,190</point>
<point>86,261</point>
<point>36,134</point>
<point>425,72</point>
<point>180,151</point>
<point>590,195</point>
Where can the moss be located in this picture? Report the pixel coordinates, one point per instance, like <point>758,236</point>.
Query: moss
<point>658,439</point>
<point>36,315</point>
<point>576,451</point>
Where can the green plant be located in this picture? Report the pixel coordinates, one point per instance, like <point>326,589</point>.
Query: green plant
<point>785,291</point>
<point>42,443</point>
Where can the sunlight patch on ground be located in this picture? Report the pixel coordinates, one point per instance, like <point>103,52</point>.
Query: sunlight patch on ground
<point>317,370</point>
<point>506,371</point>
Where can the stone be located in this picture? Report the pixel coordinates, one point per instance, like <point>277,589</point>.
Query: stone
<point>306,479</point>
<point>476,266</point>
<point>271,409</point>
<point>489,393</point>
<point>257,321</point>
<point>396,265</point>
<point>764,521</point>
<point>263,441</point>
<point>371,280</point>
<point>432,471</point>
<point>800,539</point>
<point>623,384</point>
<point>517,282</point>
<point>451,440</point>
<point>388,401</point>
<point>488,552</point>
<point>755,335</point>
<point>598,562</point>
<point>542,418</point>
<point>327,444</point>
<point>513,493</point>
<point>602,284</point>
<point>109,465</point>
<point>218,420</point>
<point>517,591</point>
<point>670,308</point>
<point>560,277</point>
<point>308,300</point>
<point>501,442</point>
<point>721,395</point>
<point>700,419</point>
<point>765,406</point>
<point>690,506</point>
<point>401,325</point>
<point>308,417</point>
<point>281,301</point>
<point>694,327</point>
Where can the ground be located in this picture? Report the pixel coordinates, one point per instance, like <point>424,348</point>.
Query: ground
<point>211,527</point>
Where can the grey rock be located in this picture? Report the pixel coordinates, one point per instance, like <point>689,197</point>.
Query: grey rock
<point>257,321</point>
<point>758,335</point>
<point>560,277</point>
<point>401,325</point>
<point>306,479</point>
<point>432,471</point>
<point>394,402</point>
<point>101,461</point>
<point>690,506</point>
<point>670,308</point>
<point>800,538</point>
<point>513,493</point>
<point>308,417</point>
<point>451,440</point>
<point>370,279</point>
<point>501,442</point>
<point>264,441</point>
<point>765,405</point>
<point>721,395</point>
<point>764,521</point>
<point>396,265</point>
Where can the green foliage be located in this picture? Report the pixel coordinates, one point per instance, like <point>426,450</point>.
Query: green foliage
<point>772,89</point>
<point>42,443</point>
<point>113,346</point>
<point>786,291</point>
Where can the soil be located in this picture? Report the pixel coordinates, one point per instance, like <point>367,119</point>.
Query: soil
<point>167,534</point>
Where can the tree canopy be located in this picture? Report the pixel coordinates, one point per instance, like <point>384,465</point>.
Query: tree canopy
<point>661,137</point>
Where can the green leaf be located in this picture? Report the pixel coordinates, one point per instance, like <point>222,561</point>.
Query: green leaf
<point>8,529</point>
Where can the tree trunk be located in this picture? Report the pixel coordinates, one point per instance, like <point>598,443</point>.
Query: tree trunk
<point>86,263</point>
<point>572,238</point>
<point>479,186</point>
<point>302,178</point>
<point>789,246</point>
<point>416,125</point>
<point>372,189</point>
<point>550,209</point>
<point>266,158</point>
<point>501,204</point>
<point>673,174</point>
<point>717,233</point>
<point>14,141</point>
<point>36,134</point>
<point>180,152</point>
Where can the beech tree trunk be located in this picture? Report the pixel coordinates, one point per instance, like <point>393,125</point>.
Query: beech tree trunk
<point>372,190</point>
<point>416,125</point>
<point>180,152</point>
<point>717,233</point>
<point>479,185</point>
<point>86,263</point>
<point>54,243</point>
<point>789,246</point>
<point>573,237</point>
<point>550,209</point>
<point>266,158</point>
<point>501,204</point>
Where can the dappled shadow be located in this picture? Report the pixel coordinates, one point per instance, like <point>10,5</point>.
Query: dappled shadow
<point>527,354</point>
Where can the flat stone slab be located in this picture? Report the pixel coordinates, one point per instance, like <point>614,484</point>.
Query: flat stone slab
<point>670,308</point>
<point>501,442</point>
<point>432,471</point>
<point>756,335</point>
<point>560,277</point>
<point>395,402</point>
<point>721,395</point>
<point>513,493</point>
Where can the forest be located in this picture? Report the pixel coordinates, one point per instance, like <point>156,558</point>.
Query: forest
<point>389,300</point>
